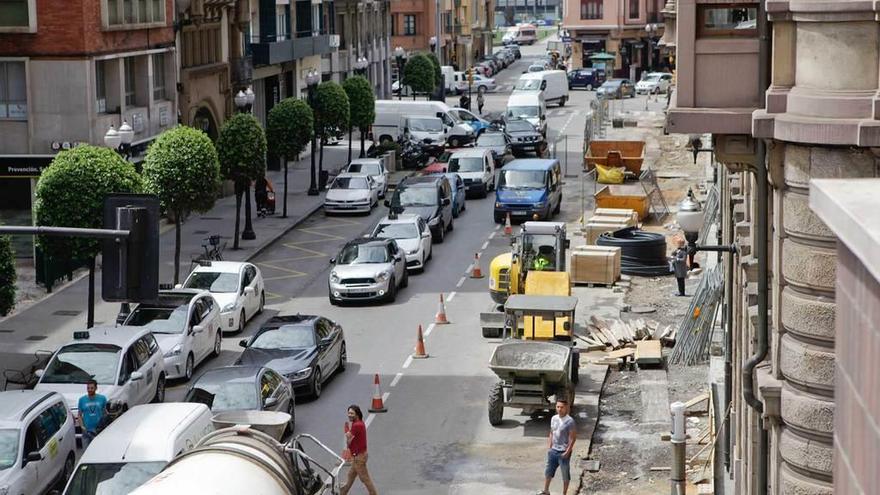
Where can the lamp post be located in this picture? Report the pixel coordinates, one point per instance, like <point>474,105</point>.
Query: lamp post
<point>120,142</point>
<point>400,55</point>
<point>244,100</point>
<point>312,79</point>
<point>690,218</point>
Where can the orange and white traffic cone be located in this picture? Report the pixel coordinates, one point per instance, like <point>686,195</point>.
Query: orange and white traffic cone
<point>476,272</point>
<point>440,317</point>
<point>346,452</point>
<point>378,405</point>
<point>420,346</point>
<point>508,229</point>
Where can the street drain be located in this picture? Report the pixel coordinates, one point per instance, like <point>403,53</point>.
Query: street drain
<point>66,312</point>
<point>36,337</point>
<point>201,232</point>
<point>211,218</point>
<point>4,330</point>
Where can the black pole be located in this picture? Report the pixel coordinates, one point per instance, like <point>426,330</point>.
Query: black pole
<point>248,234</point>
<point>313,186</point>
<point>399,78</point>
<point>90,315</point>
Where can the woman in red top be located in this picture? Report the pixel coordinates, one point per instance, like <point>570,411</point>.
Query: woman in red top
<point>357,445</point>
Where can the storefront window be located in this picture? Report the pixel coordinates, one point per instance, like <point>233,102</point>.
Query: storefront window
<point>727,20</point>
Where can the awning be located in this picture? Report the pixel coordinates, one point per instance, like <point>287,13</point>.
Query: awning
<point>603,57</point>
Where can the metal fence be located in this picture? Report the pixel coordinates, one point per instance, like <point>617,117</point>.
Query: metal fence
<point>694,337</point>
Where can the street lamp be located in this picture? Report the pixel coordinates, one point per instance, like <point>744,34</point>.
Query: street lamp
<point>244,99</point>
<point>651,29</point>
<point>120,142</point>
<point>690,218</point>
<point>360,66</point>
<point>400,55</point>
<point>312,80</point>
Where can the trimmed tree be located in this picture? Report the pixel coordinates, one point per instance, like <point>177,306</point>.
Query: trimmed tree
<point>289,130</point>
<point>241,149</point>
<point>331,113</point>
<point>438,75</point>
<point>70,193</point>
<point>181,169</point>
<point>7,276</point>
<point>361,106</point>
<point>418,74</point>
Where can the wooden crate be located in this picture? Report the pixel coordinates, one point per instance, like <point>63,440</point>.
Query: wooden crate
<point>631,221</point>
<point>627,196</point>
<point>595,265</point>
<point>593,230</point>
<point>617,212</point>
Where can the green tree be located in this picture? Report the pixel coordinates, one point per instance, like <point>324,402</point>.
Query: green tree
<point>7,276</point>
<point>289,130</point>
<point>331,113</point>
<point>241,149</point>
<point>418,74</point>
<point>438,76</point>
<point>361,106</point>
<point>181,169</point>
<point>70,193</point>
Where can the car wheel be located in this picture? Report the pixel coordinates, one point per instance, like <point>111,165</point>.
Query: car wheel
<point>482,88</point>
<point>454,142</point>
<point>241,322</point>
<point>160,392</point>
<point>291,409</point>
<point>262,302</point>
<point>430,253</point>
<point>562,101</point>
<point>217,343</point>
<point>317,386</point>
<point>589,87</point>
<point>404,283</point>
<point>558,205</point>
<point>455,212</point>
<point>451,225</point>
<point>188,369</point>
<point>343,358</point>
<point>441,235</point>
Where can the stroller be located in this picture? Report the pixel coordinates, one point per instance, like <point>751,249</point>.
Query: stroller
<point>264,196</point>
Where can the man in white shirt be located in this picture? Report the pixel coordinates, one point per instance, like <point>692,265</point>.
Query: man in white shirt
<point>563,433</point>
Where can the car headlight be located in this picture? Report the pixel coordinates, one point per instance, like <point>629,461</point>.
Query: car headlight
<point>498,205</point>
<point>382,276</point>
<point>334,277</point>
<point>540,204</point>
<point>175,351</point>
<point>299,375</point>
<point>414,251</point>
<point>229,307</point>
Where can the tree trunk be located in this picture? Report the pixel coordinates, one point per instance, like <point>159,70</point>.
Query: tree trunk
<point>90,312</point>
<point>321,165</point>
<point>284,209</point>
<point>178,215</point>
<point>248,233</point>
<point>238,193</point>
<point>350,134</point>
<point>363,137</point>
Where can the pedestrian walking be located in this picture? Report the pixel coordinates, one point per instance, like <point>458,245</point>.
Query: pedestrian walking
<point>480,101</point>
<point>678,264</point>
<point>92,412</point>
<point>563,433</point>
<point>464,102</point>
<point>357,445</point>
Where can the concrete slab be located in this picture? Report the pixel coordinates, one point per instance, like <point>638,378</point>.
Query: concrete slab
<point>655,399</point>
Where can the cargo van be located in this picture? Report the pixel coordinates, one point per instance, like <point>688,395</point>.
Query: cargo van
<point>528,106</point>
<point>552,83</point>
<point>422,128</point>
<point>386,126</point>
<point>528,189</point>
<point>137,446</point>
<point>523,34</point>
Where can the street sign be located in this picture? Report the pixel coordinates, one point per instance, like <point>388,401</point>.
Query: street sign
<point>130,270</point>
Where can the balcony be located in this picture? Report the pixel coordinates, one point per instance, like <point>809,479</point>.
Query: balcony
<point>286,50</point>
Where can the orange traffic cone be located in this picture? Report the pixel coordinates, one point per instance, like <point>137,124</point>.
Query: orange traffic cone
<point>508,229</point>
<point>420,346</point>
<point>440,317</point>
<point>476,272</point>
<point>346,452</point>
<point>378,405</point>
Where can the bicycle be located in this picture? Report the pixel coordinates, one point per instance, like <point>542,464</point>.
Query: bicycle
<point>213,250</point>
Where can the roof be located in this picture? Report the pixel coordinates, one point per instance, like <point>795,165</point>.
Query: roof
<point>525,98</point>
<point>281,320</point>
<point>16,403</point>
<point>346,175</point>
<point>421,180</point>
<point>543,227</point>
<point>561,304</point>
<point>401,218</point>
<point>366,240</point>
<point>120,336</point>
<point>531,164</point>
<point>221,266</point>
<point>228,373</point>
<point>173,298</point>
<point>479,152</point>
<point>366,161</point>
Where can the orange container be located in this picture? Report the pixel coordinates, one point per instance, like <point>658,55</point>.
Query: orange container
<point>629,196</point>
<point>629,154</point>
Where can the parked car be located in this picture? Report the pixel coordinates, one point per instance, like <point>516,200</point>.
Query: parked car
<point>507,55</point>
<point>514,48</point>
<point>529,188</point>
<point>458,193</point>
<point>536,67</point>
<point>616,88</point>
<point>372,167</point>
<point>587,78</point>
<point>244,388</point>
<point>524,137</point>
<point>186,323</point>
<point>307,349</point>
<point>485,69</point>
<point>552,84</point>
<point>654,83</point>
<point>528,106</point>
<point>477,167</point>
<point>37,442</point>
<point>236,286</point>
<point>368,269</point>
<point>429,197</point>
<point>412,235</point>
<point>478,123</point>
<point>351,193</point>
<point>497,142</point>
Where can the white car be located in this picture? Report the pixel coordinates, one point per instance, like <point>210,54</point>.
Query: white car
<point>186,323</point>
<point>481,83</point>
<point>412,235</point>
<point>125,361</point>
<point>236,286</point>
<point>477,167</point>
<point>654,83</point>
<point>37,441</point>
<point>351,193</point>
<point>372,167</point>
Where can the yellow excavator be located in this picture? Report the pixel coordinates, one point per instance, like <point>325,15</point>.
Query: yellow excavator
<point>535,265</point>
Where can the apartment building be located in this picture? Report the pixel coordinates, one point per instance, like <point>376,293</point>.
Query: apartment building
<point>510,12</point>
<point>364,29</point>
<point>798,107</point>
<point>472,23</point>
<point>414,25</point>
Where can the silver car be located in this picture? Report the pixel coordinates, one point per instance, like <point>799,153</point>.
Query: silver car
<point>368,269</point>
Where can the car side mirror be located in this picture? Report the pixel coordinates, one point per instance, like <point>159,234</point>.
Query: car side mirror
<point>198,329</point>
<point>39,373</point>
<point>387,203</point>
<point>426,234</point>
<point>332,260</point>
<point>248,291</point>
<point>446,202</point>
<point>33,457</point>
<point>270,402</point>
<point>178,286</point>
<point>136,375</point>
<point>243,343</point>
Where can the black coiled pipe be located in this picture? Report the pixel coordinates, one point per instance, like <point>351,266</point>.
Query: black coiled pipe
<point>641,253</point>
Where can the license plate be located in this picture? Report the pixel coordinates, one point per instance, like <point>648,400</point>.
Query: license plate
<point>519,213</point>
<point>359,291</point>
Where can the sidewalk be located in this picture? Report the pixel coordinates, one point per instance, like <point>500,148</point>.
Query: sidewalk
<point>51,322</point>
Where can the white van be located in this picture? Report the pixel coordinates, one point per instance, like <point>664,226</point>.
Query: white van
<point>448,73</point>
<point>137,445</point>
<point>528,106</point>
<point>522,34</point>
<point>387,127</point>
<point>552,83</point>
<point>477,167</point>
<point>421,128</point>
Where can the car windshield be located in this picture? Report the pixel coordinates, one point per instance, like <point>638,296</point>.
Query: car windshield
<point>364,168</point>
<point>528,85</point>
<point>285,337</point>
<point>466,164</point>
<point>523,179</point>
<point>235,395</point>
<point>490,140</point>
<point>77,363</point>
<point>112,478</point>
<point>396,231</point>
<point>652,78</point>
<point>519,125</point>
<point>417,196</point>
<point>536,68</point>
<point>522,112</point>
<point>429,124</point>
<point>160,320</point>
<point>218,282</point>
<point>350,183</point>
<point>356,254</point>
<point>8,448</point>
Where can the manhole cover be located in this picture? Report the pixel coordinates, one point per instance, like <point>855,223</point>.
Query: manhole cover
<point>642,309</point>
<point>201,232</point>
<point>211,218</point>
<point>66,312</point>
<point>3,330</point>
<point>36,337</point>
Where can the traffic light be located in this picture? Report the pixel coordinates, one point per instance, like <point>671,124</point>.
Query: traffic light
<point>470,76</point>
<point>130,271</point>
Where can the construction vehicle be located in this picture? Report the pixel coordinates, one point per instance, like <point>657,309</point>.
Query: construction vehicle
<point>535,265</point>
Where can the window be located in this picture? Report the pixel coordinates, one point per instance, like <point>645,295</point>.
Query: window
<point>409,25</point>
<point>121,13</point>
<point>634,9</point>
<point>15,13</point>
<point>13,91</point>
<point>141,352</point>
<point>591,9</point>
<point>159,76</point>
<point>101,85</point>
<point>727,20</point>
<point>130,96</point>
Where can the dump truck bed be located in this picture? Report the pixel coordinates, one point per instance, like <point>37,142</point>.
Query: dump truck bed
<point>611,153</point>
<point>529,359</point>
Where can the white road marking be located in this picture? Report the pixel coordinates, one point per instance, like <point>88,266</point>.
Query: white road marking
<point>369,420</point>
<point>485,245</point>
<point>407,362</point>
<point>469,268</point>
<point>460,282</point>
<point>451,295</point>
<point>429,330</point>
<point>497,226</point>
<point>385,397</point>
<point>397,378</point>
<point>492,235</point>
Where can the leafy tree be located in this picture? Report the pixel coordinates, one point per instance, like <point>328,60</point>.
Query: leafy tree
<point>438,76</point>
<point>70,193</point>
<point>7,276</point>
<point>362,108</point>
<point>418,74</point>
<point>241,149</point>
<point>331,113</point>
<point>181,169</point>
<point>289,130</point>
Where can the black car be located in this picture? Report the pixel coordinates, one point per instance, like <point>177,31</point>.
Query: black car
<point>515,49</point>
<point>588,78</point>
<point>616,89</point>
<point>524,137</point>
<point>495,141</point>
<point>306,349</point>
<point>428,196</point>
